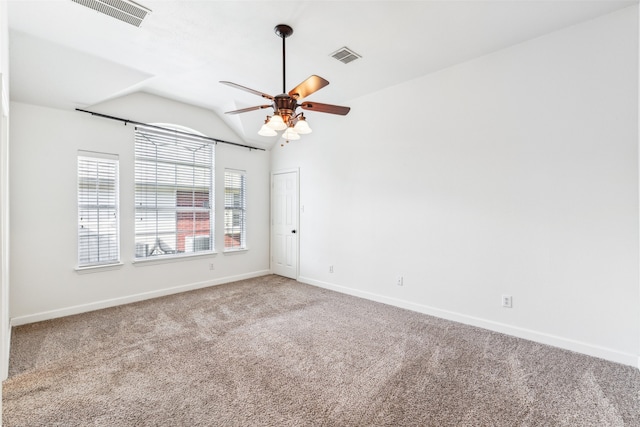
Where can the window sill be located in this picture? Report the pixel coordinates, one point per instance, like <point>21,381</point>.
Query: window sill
<point>170,258</point>
<point>234,251</point>
<point>98,268</point>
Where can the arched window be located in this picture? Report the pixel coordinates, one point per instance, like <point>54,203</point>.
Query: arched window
<point>174,195</point>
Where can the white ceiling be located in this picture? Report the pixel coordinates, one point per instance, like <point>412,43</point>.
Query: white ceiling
<point>65,55</point>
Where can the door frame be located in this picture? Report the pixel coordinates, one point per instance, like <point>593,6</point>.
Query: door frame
<point>297,208</point>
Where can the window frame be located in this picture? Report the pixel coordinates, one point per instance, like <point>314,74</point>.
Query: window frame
<point>184,136</point>
<point>242,206</point>
<point>82,163</point>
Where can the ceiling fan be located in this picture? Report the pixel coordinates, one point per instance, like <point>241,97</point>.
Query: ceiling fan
<point>285,105</point>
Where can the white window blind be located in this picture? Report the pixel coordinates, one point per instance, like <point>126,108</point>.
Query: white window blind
<point>174,193</point>
<point>235,209</point>
<point>98,231</point>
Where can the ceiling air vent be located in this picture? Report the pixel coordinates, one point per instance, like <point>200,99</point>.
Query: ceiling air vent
<point>345,55</point>
<point>126,11</point>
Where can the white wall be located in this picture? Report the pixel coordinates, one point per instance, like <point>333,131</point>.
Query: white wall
<point>5,331</point>
<point>515,173</point>
<point>44,146</point>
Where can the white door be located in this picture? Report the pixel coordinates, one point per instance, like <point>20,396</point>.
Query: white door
<point>284,224</point>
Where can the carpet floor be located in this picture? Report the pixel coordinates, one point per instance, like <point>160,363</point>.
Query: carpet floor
<point>273,352</point>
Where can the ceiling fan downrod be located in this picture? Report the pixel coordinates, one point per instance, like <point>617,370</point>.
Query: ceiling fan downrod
<point>283,31</point>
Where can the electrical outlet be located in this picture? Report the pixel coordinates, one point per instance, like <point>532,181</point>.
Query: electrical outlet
<point>507,301</point>
<point>331,269</point>
<point>400,281</point>
<point>211,267</point>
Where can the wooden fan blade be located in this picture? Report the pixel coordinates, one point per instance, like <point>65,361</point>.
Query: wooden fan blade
<point>244,110</point>
<point>307,87</point>
<point>325,108</point>
<point>246,89</point>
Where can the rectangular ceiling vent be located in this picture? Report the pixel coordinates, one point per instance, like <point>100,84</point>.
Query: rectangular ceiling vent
<point>345,55</point>
<point>126,11</point>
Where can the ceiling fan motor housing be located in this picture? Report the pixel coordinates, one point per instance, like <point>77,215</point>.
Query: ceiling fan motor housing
<point>285,105</point>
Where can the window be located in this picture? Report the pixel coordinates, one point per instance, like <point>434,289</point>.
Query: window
<point>235,209</point>
<point>174,192</point>
<point>98,231</point>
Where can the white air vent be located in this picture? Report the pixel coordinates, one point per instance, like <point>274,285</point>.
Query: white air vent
<point>126,11</point>
<point>345,55</point>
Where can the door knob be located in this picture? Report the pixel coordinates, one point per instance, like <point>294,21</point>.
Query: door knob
<point>293,231</point>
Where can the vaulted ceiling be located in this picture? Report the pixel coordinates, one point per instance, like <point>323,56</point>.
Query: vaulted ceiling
<point>65,55</point>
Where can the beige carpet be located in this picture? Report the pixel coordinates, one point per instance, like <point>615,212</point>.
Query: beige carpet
<point>274,352</point>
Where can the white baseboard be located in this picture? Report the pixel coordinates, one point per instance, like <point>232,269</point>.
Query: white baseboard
<point>7,351</point>
<point>84,308</point>
<point>528,334</point>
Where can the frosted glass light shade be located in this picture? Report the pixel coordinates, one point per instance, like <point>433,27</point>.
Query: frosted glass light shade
<point>276,122</point>
<point>302,127</point>
<point>290,135</point>
<point>267,131</point>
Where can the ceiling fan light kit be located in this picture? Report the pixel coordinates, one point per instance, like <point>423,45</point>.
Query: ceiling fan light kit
<point>276,122</point>
<point>302,127</point>
<point>285,104</point>
<point>266,130</point>
<point>290,134</point>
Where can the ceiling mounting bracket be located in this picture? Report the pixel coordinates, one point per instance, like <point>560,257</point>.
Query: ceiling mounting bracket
<point>283,30</point>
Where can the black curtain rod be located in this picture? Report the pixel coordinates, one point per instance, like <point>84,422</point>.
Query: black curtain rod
<point>133,122</point>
